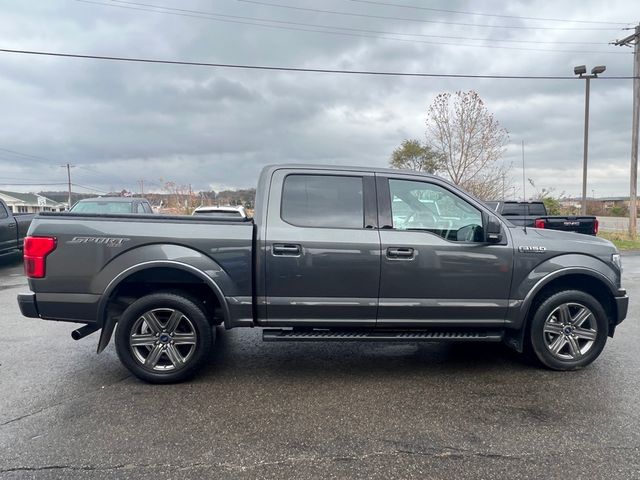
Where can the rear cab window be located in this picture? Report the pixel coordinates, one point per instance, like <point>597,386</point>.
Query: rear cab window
<point>514,209</point>
<point>537,209</point>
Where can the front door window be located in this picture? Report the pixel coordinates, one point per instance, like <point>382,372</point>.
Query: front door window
<point>429,207</point>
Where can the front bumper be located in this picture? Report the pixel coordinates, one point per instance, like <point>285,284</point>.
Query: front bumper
<point>27,304</point>
<point>622,305</point>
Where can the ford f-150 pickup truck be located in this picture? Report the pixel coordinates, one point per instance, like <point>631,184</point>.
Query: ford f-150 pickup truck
<point>332,253</point>
<point>13,229</point>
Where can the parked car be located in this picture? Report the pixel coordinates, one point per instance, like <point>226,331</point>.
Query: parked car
<point>228,212</point>
<point>13,229</point>
<point>327,257</point>
<point>102,205</point>
<point>534,214</point>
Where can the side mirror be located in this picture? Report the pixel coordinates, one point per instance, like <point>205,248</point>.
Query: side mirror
<point>493,230</point>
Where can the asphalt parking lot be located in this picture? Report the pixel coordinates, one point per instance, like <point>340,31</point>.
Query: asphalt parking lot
<point>263,410</point>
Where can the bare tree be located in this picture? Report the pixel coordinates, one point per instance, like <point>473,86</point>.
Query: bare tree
<point>470,141</point>
<point>414,155</point>
<point>179,197</point>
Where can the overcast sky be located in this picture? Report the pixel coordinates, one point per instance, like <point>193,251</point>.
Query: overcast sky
<point>215,128</point>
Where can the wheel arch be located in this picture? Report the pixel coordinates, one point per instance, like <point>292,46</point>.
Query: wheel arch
<point>108,322</point>
<point>587,280</point>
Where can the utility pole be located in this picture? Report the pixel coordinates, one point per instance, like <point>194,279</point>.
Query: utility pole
<point>68,167</point>
<point>141,182</point>
<point>634,39</point>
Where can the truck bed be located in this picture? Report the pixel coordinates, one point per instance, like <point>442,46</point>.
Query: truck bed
<point>93,249</point>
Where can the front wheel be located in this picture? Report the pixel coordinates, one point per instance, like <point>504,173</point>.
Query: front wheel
<point>568,330</point>
<point>163,338</point>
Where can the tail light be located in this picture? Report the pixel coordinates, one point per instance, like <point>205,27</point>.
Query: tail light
<point>539,223</point>
<point>596,226</point>
<point>36,250</point>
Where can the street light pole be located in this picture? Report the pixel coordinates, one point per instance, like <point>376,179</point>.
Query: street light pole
<point>585,149</point>
<point>581,71</point>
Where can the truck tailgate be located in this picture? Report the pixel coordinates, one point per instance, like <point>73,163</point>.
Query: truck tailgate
<point>585,225</point>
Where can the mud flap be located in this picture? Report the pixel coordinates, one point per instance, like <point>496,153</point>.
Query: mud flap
<point>105,335</point>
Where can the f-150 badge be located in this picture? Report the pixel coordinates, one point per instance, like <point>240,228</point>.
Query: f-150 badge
<point>531,249</point>
<point>107,241</point>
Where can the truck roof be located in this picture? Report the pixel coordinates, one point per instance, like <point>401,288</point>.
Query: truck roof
<point>112,199</point>
<point>348,168</point>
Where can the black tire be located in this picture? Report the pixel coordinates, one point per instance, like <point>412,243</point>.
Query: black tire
<point>541,340</point>
<point>192,328</point>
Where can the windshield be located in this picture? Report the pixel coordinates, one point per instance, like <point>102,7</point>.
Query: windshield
<point>101,207</point>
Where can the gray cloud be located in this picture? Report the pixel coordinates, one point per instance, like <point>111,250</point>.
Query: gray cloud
<point>215,128</point>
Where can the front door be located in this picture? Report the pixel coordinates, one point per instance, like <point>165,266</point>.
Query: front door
<point>322,249</point>
<point>437,270</point>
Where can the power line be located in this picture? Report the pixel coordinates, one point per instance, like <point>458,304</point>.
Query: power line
<point>299,69</point>
<point>211,16</point>
<point>35,157</point>
<point>30,184</point>
<point>518,17</point>
<point>442,22</point>
<point>89,188</point>
<point>344,34</point>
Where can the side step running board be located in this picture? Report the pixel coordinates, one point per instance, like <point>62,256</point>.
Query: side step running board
<point>279,335</point>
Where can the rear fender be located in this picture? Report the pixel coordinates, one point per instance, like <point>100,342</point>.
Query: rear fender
<point>154,256</point>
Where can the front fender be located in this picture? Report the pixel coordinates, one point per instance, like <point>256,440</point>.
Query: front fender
<point>526,288</point>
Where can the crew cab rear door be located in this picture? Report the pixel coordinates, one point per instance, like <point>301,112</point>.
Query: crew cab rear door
<point>322,249</point>
<point>437,270</point>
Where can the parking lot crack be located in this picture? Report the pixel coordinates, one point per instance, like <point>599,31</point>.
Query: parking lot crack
<point>60,467</point>
<point>53,405</point>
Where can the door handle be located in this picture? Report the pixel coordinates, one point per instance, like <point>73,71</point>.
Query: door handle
<point>286,250</point>
<point>12,225</point>
<point>405,253</point>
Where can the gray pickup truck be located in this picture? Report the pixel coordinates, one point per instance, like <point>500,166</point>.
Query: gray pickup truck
<point>332,253</point>
<point>13,229</point>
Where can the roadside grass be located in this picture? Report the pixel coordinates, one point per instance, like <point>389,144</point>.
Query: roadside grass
<point>621,240</point>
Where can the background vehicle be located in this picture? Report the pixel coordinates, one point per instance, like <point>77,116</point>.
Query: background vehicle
<point>13,229</point>
<point>534,214</point>
<point>329,255</point>
<point>102,205</point>
<point>227,212</point>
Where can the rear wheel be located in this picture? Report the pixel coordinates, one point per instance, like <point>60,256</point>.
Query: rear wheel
<point>164,337</point>
<point>568,330</point>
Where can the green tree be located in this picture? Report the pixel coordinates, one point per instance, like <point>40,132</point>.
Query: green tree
<point>414,155</point>
<point>552,205</point>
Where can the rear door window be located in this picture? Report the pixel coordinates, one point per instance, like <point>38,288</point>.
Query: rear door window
<point>329,201</point>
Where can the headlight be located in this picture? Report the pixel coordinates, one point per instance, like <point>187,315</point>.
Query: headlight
<point>615,258</point>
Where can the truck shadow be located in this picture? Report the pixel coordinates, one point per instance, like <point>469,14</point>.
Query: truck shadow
<point>236,352</point>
